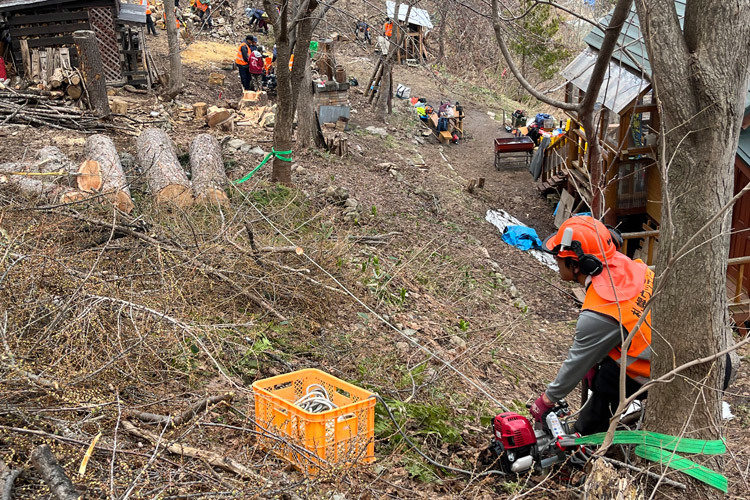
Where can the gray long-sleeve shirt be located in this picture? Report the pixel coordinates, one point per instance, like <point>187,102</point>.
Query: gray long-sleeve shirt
<point>596,335</point>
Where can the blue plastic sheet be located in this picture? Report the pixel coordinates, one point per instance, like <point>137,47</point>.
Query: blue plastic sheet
<point>521,237</point>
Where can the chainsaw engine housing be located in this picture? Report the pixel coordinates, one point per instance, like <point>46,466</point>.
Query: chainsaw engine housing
<point>514,441</point>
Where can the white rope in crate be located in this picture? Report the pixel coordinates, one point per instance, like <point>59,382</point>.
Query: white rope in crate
<point>316,399</point>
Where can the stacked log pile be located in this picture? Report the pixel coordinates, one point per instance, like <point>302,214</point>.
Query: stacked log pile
<point>53,178</point>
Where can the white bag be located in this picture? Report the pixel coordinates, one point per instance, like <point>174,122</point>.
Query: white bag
<point>403,92</point>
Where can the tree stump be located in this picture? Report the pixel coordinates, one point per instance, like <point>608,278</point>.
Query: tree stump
<point>207,166</point>
<point>101,149</point>
<point>164,175</point>
<point>90,63</point>
<point>119,106</point>
<point>200,109</point>
<point>604,482</point>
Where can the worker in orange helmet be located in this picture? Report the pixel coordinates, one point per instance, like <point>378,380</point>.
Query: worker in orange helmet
<point>617,290</point>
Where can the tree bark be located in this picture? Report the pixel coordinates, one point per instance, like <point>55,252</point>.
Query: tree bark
<point>308,128</point>
<point>175,61</point>
<point>165,177</point>
<point>700,74</point>
<point>114,184</point>
<point>44,192</point>
<point>51,159</point>
<point>53,474</point>
<point>206,164</point>
<point>90,64</point>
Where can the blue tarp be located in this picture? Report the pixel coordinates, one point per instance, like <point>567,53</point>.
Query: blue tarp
<point>521,237</point>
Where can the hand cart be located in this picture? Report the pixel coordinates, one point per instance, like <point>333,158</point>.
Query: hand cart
<point>510,151</point>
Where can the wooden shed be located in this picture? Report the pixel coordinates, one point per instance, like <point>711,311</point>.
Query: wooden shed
<point>410,38</point>
<point>39,29</point>
<point>628,121</point>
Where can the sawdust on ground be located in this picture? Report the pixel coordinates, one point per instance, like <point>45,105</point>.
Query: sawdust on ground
<point>204,53</point>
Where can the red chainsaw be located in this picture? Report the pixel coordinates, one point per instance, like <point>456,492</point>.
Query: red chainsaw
<point>518,446</point>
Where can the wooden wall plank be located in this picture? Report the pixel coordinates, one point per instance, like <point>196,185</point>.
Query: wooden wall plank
<point>49,29</point>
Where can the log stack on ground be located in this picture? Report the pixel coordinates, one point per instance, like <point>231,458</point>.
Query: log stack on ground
<point>101,149</point>
<point>165,177</point>
<point>209,178</point>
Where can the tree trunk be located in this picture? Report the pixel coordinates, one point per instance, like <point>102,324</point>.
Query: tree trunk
<point>308,128</point>
<point>209,178</point>
<point>165,177</point>
<point>90,64</point>
<point>44,192</point>
<point>175,61</point>
<point>114,184</point>
<point>441,32</point>
<point>53,474</point>
<point>7,477</point>
<point>703,71</point>
<point>51,159</point>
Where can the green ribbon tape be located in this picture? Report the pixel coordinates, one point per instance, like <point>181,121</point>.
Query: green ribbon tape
<point>281,155</point>
<point>664,441</point>
<point>683,465</point>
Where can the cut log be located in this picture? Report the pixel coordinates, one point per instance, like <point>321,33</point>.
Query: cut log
<point>200,109</point>
<point>53,474</point>
<point>101,149</point>
<point>45,192</point>
<point>56,80</point>
<point>90,64</point>
<point>164,175</point>
<point>217,116</point>
<point>89,178</point>
<point>74,91</point>
<point>207,166</point>
<point>74,79</point>
<point>7,477</point>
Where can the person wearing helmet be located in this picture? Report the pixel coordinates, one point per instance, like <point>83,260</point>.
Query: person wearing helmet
<point>617,289</point>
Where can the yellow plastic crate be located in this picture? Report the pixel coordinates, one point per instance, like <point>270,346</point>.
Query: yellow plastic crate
<point>313,441</point>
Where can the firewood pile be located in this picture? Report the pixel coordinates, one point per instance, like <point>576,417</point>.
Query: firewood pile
<point>41,108</point>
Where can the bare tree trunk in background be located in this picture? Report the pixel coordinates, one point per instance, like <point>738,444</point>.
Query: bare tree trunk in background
<point>175,61</point>
<point>698,72</point>
<point>383,105</point>
<point>308,128</point>
<point>90,63</point>
<point>441,31</point>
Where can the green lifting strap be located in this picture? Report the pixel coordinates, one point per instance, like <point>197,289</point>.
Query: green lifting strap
<point>281,155</point>
<point>664,441</point>
<point>683,465</point>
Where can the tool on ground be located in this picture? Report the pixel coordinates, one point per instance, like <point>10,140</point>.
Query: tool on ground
<point>517,446</point>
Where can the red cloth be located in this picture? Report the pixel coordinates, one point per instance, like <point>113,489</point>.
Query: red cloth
<point>3,74</point>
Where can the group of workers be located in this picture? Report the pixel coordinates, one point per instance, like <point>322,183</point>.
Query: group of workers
<point>255,67</point>
<point>362,29</point>
<point>201,7</point>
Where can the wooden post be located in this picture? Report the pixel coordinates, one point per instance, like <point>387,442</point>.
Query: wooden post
<point>90,64</point>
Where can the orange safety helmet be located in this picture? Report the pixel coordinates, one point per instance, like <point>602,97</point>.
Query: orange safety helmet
<point>594,237</point>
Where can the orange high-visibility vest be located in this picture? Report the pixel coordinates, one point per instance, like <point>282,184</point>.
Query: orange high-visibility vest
<point>388,27</point>
<point>267,63</point>
<point>627,313</point>
<point>176,21</point>
<point>291,62</point>
<point>148,6</point>
<point>238,59</point>
<point>200,5</point>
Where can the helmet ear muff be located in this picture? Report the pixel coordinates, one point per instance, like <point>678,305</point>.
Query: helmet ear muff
<point>588,264</point>
<point>616,236</point>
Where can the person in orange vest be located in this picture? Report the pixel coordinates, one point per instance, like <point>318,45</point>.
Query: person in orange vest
<point>204,10</point>
<point>388,27</point>
<point>150,27</point>
<point>176,19</point>
<point>242,59</point>
<point>617,289</point>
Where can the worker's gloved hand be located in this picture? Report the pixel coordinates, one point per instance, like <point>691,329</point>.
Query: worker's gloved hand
<point>540,408</point>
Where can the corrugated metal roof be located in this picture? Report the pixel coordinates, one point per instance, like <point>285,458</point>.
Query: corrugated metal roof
<point>620,85</point>
<point>420,17</point>
<point>631,49</point>
<point>132,13</point>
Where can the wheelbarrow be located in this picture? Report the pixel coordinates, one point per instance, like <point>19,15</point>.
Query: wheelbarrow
<point>513,151</point>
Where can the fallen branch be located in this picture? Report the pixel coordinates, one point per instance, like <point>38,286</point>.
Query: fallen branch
<point>650,474</point>
<point>185,416</point>
<point>211,458</point>
<point>7,477</point>
<point>53,474</point>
